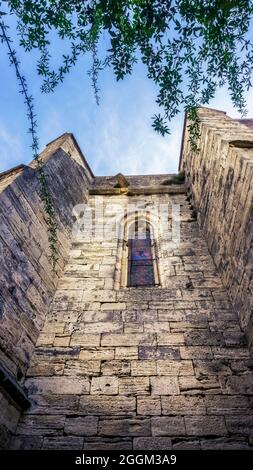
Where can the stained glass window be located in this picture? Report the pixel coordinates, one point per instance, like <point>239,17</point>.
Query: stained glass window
<point>140,259</point>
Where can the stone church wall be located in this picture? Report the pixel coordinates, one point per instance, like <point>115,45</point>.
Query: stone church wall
<point>139,368</point>
<point>220,179</point>
<point>26,279</point>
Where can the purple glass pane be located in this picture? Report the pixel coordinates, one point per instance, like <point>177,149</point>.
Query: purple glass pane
<point>140,249</point>
<point>142,276</point>
<point>141,270</point>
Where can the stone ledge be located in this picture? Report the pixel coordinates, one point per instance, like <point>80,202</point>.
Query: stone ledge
<point>133,191</point>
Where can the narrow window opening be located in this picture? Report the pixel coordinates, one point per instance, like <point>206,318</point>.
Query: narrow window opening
<point>141,256</point>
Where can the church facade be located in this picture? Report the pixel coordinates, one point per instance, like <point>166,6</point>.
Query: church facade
<point>143,337</point>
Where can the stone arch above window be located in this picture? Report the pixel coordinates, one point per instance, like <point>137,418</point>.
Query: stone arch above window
<point>138,261</point>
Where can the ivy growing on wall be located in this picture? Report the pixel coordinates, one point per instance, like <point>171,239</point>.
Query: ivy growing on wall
<point>28,100</point>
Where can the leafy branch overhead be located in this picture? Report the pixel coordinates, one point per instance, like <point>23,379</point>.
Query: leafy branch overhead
<point>190,47</point>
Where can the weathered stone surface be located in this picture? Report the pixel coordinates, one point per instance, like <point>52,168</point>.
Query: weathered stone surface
<point>106,443</point>
<point>220,179</point>
<point>152,443</point>
<point>224,444</point>
<point>58,385</point>
<point>204,369</point>
<point>170,339</point>
<point>184,444</point>
<point>63,443</point>
<point>240,424</point>
<point>148,406</point>
<point>124,427</point>
<point>228,405</point>
<point>194,386</point>
<point>39,424</point>
<point>242,384</point>
<point>165,367</point>
<point>143,368</point>
<point>107,405</point>
<point>117,367</point>
<point>96,354</point>
<point>104,385</point>
<point>126,352</point>
<point>165,426</point>
<point>81,426</point>
<point>82,339</point>
<point>183,405</point>
<point>164,385</point>
<point>134,386</point>
<point>158,352</point>
<point>129,339</point>
<point>130,368</point>
<point>205,426</point>
<point>55,404</point>
<point>82,368</point>
<point>196,352</point>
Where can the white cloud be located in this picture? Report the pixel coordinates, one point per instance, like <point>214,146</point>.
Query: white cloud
<point>119,137</point>
<point>10,149</point>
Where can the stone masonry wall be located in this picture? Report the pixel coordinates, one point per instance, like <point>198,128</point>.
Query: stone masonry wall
<point>220,178</point>
<point>26,279</point>
<point>140,368</point>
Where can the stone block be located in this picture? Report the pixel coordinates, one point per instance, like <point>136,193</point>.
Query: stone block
<point>157,327</point>
<point>116,367</point>
<point>225,443</point>
<point>236,385</point>
<point>196,352</point>
<point>62,340</point>
<point>103,405</point>
<point>113,306</point>
<point>193,386</point>
<point>127,353</point>
<point>82,368</point>
<point>128,339</point>
<point>45,339</point>
<point>63,443</point>
<point>81,339</point>
<point>95,328</point>
<point>37,425</point>
<point>158,352</point>
<point>205,426</point>
<point>183,405</point>
<point>227,405</point>
<point>124,427</point>
<point>133,328</point>
<point>55,404</point>
<point>134,386</point>
<point>58,385</point>
<point>81,425</point>
<point>96,354</point>
<point>164,426</point>
<point>152,443</point>
<point>143,368</point>
<point>148,406</point>
<point>107,444</point>
<point>105,385</point>
<point>175,368</point>
<point>170,339</point>
<point>164,385</point>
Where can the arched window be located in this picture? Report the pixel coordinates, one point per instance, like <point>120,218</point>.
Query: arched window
<point>142,262</point>
<point>138,262</point>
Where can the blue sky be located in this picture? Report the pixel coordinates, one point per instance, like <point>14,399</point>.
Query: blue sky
<point>115,137</point>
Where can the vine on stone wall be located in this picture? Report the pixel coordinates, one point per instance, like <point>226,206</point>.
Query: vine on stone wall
<point>28,100</point>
